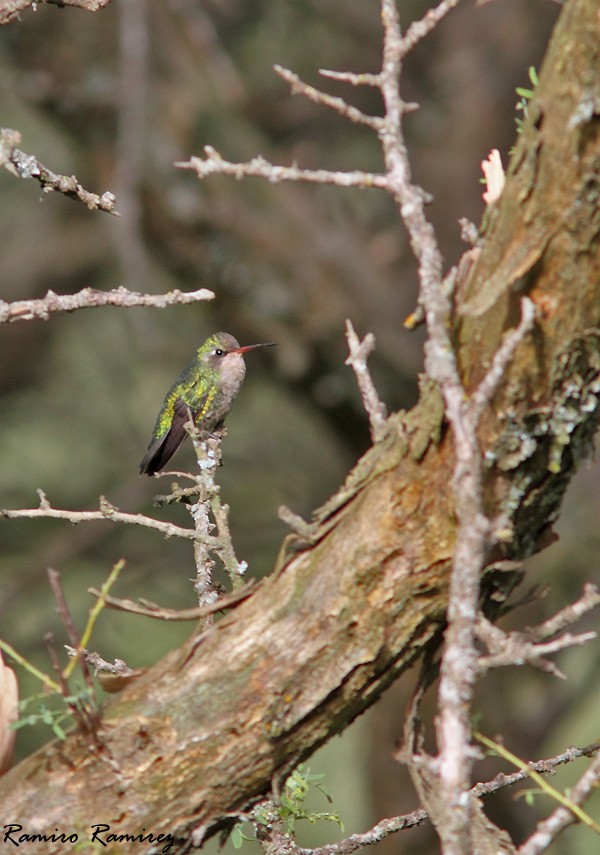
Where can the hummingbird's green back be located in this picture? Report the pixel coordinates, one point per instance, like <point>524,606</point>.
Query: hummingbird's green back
<point>197,386</point>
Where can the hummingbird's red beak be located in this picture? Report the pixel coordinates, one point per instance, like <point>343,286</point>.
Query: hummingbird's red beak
<point>248,347</point>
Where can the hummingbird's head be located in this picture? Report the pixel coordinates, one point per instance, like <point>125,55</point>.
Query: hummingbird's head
<point>223,353</point>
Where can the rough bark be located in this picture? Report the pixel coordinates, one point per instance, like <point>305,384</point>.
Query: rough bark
<point>353,602</point>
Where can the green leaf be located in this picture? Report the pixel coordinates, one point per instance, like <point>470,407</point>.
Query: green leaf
<point>236,837</point>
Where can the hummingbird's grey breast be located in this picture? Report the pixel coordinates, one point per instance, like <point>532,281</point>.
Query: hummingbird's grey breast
<point>226,369</point>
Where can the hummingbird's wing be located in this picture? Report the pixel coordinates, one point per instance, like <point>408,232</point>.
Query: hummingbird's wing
<point>162,449</point>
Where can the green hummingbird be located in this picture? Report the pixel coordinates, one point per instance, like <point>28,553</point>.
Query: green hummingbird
<point>205,389</point>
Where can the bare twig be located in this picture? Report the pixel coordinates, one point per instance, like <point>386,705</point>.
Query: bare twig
<point>148,609</point>
<point>208,454</point>
<point>61,605</point>
<point>418,30</point>
<point>65,615</point>
<point>512,649</point>
<point>51,648</point>
<point>82,711</point>
<point>531,645</point>
<point>589,600</point>
<point>459,665</point>
<point>10,9</point>
<point>541,766</point>
<point>28,166</point>
<point>106,512</point>
<point>486,389</point>
<point>25,310</point>
<point>205,589</point>
<point>364,79</point>
<point>112,676</point>
<point>99,664</point>
<point>303,529</point>
<point>359,352</point>
<point>562,798</point>
<point>258,167</point>
<point>48,684</point>
<point>338,105</point>
<point>548,829</point>
<point>378,832</point>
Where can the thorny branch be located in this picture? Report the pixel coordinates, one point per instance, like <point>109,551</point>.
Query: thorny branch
<point>25,310</point>
<point>28,166</point>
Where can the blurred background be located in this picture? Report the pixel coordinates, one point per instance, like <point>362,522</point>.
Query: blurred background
<point>117,98</point>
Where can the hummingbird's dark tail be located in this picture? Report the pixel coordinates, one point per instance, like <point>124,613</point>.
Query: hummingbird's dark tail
<point>154,458</point>
<point>162,448</point>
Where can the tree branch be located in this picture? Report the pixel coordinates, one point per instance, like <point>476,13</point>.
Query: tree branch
<point>10,9</point>
<point>151,610</point>
<point>548,829</point>
<point>532,646</point>
<point>258,167</point>
<point>338,105</point>
<point>25,310</point>
<point>28,166</point>
<point>105,512</point>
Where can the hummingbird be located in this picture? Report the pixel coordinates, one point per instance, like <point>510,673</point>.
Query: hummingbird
<point>204,390</point>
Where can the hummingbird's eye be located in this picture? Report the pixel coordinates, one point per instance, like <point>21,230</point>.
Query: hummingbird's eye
<point>219,352</point>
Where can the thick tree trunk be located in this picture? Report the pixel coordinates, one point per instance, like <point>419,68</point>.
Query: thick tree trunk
<point>355,601</point>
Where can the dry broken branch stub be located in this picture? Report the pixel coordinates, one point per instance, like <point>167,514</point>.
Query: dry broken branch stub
<point>359,353</point>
